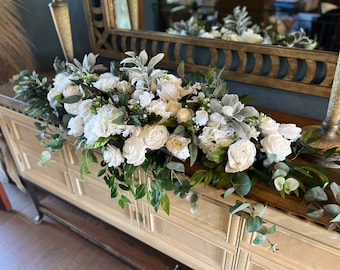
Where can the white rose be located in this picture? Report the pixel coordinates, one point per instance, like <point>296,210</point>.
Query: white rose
<point>170,88</point>
<point>276,144</point>
<point>113,156</point>
<point>251,37</point>
<point>290,131</point>
<point>106,82</point>
<point>71,90</point>
<point>145,98</point>
<point>154,137</point>
<point>178,146</point>
<point>241,155</point>
<point>61,81</point>
<point>72,108</point>
<point>159,107</point>
<point>124,87</point>
<point>201,117</point>
<point>134,151</point>
<point>173,107</point>
<point>269,126</point>
<point>184,115</point>
<point>54,92</point>
<point>76,126</point>
<point>212,138</point>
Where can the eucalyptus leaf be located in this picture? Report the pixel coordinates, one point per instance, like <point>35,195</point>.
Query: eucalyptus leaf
<point>336,219</point>
<point>316,193</point>
<point>176,166</point>
<point>314,211</point>
<point>269,160</point>
<point>332,209</point>
<point>259,239</point>
<point>239,206</point>
<point>242,184</point>
<point>253,223</point>
<point>228,192</point>
<point>335,188</point>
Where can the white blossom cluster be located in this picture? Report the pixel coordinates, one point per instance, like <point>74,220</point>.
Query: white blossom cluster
<point>218,123</point>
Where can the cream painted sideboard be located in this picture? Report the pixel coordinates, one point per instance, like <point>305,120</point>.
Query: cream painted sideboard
<point>209,239</point>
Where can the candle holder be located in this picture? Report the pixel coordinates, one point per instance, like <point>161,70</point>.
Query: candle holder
<point>61,18</point>
<point>329,130</point>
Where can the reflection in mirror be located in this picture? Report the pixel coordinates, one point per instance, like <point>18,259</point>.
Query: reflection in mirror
<point>319,20</point>
<point>125,14</point>
<point>122,16</point>
<point>270,70</point>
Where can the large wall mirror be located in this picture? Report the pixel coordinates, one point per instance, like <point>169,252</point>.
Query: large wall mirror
<point>298,70</point>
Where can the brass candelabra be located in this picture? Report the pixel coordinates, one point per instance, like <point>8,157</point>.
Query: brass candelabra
<point>329,129</point>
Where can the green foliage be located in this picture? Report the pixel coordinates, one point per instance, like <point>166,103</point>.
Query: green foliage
<point>242,184</point>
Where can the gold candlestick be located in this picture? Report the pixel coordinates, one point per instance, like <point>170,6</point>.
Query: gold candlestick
<point>61,18</point>
<point>329,129</point>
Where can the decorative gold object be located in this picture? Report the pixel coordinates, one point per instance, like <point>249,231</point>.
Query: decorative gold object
<point>329,129</point>
<point>61,18</point>
<point>134,14</point>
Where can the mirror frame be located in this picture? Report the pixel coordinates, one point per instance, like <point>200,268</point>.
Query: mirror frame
<point>297,70</point>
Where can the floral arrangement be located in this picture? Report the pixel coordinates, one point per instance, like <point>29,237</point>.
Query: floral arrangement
<point>239,27</point>
<point>139,117</point>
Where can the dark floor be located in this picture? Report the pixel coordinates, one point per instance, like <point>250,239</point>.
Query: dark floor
<point>46,246</point>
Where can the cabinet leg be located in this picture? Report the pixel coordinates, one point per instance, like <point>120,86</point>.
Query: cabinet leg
<point>35,199</point>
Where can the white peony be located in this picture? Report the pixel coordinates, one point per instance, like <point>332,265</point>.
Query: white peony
<point>76,126</point>
<point>113,156</point>
<point>276,144</point>
<point>134,151</point>
<point>178,146</point>
<point>101,124</point>
<point>290,131</point>
<point>241,155</point>
<point>154,137</point>
<point>84,109</point>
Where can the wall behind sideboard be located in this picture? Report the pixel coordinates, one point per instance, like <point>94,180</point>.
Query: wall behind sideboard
<point>37,21</point>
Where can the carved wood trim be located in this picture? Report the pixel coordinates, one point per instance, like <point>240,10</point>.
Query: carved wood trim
<point>297,70</point>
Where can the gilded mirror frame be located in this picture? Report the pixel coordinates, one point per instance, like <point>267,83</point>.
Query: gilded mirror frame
<point>297,70</point>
